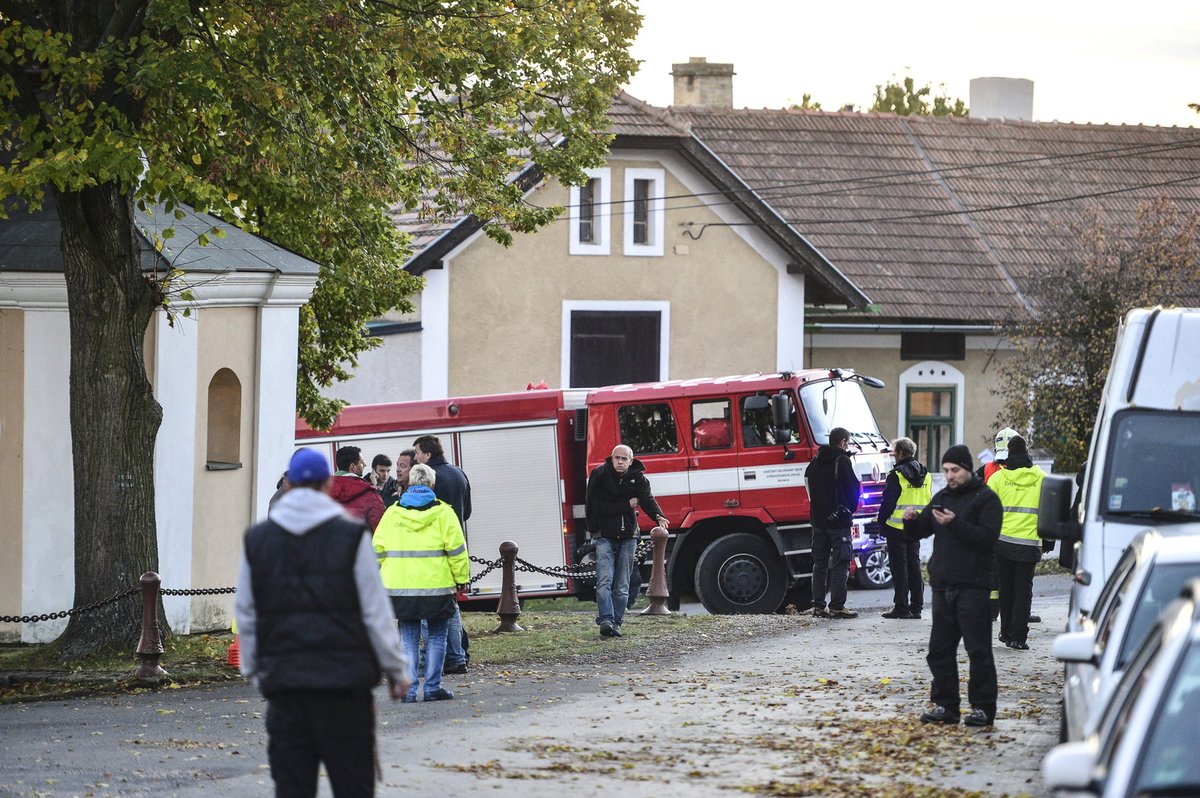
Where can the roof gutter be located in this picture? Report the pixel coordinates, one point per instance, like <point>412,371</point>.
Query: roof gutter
<point>818,326</point>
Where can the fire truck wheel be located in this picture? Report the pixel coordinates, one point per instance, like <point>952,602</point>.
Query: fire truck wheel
<point>740,574</point>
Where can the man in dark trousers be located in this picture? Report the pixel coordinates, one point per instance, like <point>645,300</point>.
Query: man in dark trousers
<point>908,485</point>
<point>1019,486</point>
<point>452,487</point>
<point>316,628</point>
<point>615,490</point>
<point>833,498</point>
<point>964,519</point>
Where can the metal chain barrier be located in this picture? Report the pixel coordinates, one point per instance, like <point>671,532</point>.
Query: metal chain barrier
<point>53,616</point>
<point>198,591</point>
<point>581,571</point>
<point>489,566</point>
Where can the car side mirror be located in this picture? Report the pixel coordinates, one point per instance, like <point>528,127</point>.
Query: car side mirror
<point>1069,767</point>
<point>1079,647</point>
<point>1054,510</point>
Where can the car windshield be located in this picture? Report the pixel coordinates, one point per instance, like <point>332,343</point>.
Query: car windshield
<point>1169,765</point>
<point>1153,470</point>
<point>1162,586</point>
<point>838,403</point>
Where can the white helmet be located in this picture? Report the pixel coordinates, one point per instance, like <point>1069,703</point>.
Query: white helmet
<point>1002,439</point>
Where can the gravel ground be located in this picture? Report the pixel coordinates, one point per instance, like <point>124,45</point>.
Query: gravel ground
<point>770,705</point>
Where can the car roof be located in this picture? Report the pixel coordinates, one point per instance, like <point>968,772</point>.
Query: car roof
<point>1184,548</point>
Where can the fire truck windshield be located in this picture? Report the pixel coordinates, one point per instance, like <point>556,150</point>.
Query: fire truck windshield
<point>837,403</point>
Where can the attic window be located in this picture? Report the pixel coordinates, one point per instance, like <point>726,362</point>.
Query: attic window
<point>587,211</point>
<point>933,346</point>
<point>644,222</point>
<point>590,214</point>
<point>224,421</point>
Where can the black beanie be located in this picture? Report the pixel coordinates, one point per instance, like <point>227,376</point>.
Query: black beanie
<point>1016,445</point>
<point>960,456</point>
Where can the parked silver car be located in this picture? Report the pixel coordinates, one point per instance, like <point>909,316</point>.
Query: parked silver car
<point>1150,573</point>
<point>1143,741</point>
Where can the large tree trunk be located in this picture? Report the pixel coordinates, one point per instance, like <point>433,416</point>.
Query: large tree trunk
<point>114,415</point>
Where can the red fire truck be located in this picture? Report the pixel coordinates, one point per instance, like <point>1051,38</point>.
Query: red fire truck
<point>725,458</point>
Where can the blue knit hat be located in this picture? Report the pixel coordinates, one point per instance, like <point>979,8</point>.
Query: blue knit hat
<point>308,465</point>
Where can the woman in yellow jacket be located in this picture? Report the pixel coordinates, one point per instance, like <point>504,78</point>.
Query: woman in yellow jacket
<point>422,561</point>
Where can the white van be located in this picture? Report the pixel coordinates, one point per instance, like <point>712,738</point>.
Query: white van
<point>1143,468</point>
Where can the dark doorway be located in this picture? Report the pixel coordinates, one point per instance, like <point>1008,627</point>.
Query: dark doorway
<point>614,347</point>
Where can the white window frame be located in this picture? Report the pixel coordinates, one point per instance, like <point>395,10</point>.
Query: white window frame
<point>601,224</point>
<point>933,374</point>
<point>617,306</point>
<point>655,223</point>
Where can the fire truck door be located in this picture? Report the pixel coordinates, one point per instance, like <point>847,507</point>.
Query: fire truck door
<point>712,460</point>
<point>768,478</point>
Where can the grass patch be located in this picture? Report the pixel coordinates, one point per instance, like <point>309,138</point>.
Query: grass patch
<point>1048,567</point>
<point>560,634</point>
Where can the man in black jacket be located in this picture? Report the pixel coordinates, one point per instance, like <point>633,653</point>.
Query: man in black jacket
<point>964,519</point>
<point>615,489</point>
<point>316,628</point>
<point>907,485</point>
<point>833,498</point>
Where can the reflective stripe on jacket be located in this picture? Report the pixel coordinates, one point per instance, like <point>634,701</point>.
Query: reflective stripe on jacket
<point>916,498</point>
<point>1019,490</point>
<point>421,550</point>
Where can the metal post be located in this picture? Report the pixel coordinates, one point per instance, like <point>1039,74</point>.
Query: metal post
<point>657,592</point>
<point>510,606</point>
<point>150,647</point>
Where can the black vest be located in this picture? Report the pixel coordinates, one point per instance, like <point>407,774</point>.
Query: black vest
<point>310,632</point>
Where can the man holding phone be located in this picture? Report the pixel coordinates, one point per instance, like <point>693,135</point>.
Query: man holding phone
<point>964,519</point>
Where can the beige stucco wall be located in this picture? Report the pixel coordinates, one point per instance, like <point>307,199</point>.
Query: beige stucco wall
<point>223,498</point>
<point>506,304</point>
<point>980,370</point>
<point>12,421</point>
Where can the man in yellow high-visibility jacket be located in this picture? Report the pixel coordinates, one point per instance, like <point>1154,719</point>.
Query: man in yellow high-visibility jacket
<point>908,485</point>
<point>1019,486</point>
<point>422,561</point>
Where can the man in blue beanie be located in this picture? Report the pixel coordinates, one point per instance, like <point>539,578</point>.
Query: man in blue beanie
<point>316,629</point>
<point>964,518</point>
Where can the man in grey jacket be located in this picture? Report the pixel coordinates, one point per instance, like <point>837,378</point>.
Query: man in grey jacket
<point>316,629</point>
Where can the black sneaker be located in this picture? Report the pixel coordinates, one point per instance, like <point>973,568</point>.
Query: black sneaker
<point>939,715</point>
<point>897,613</point>
<point>440,694</point>
<point>617,631</point>
<point>820,612</point>
<point>1018,645</point>
<point>607,629</point>
<point>1003,639</point>
<point>977,718</point>
<point>455,668</point>
<point>915,615</point>
<point>1035,619</point>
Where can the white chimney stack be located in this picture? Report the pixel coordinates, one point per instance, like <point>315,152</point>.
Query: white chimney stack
<point>1006,98</point>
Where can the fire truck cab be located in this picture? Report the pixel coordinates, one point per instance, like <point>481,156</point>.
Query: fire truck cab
<point>726,460</point>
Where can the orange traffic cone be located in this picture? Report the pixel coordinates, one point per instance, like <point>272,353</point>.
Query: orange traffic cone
<point>232,657</point>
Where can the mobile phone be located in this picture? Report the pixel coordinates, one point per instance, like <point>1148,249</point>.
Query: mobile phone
<point>938,507</point>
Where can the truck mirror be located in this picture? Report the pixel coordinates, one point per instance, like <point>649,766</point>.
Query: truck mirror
<point>781,410</point>
<point>1054,510</point>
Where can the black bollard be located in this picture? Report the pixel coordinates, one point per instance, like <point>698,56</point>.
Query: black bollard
<point>510,606</point>
<point>150,647</point>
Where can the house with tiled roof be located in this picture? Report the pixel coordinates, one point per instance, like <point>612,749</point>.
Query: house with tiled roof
<point>719,241</point>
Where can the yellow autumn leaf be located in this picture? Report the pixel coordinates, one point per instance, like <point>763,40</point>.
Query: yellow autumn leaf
<point>196,159</point>
<point>886,680</point>
<point>231,196</point>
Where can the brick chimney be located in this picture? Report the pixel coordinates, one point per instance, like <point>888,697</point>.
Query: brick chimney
<point>1001,98</point>
<point>699,83</point>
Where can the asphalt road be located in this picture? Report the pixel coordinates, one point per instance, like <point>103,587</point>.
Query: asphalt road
<point>785,700</point>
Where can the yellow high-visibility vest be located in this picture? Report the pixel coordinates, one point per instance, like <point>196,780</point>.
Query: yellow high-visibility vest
<point>1019,490</point>
<point>916,498</point>
<point>421,552</point>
